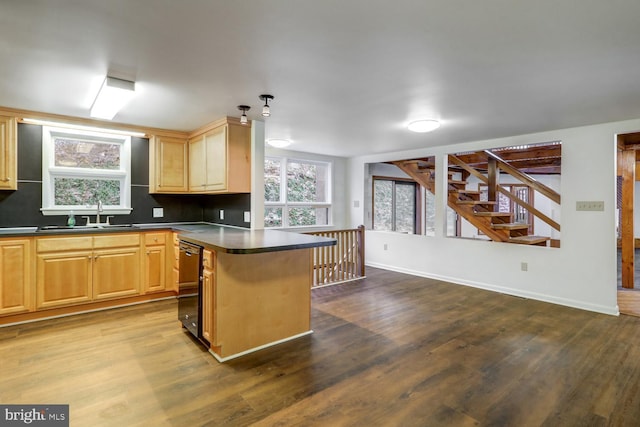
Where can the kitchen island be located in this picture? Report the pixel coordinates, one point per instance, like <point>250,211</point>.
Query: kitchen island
<point>256,283</point>
<point>256,287</point>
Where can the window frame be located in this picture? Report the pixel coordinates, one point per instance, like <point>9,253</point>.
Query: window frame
<point>285,205</point>
<point>417,212</point>
<point>50,171</point>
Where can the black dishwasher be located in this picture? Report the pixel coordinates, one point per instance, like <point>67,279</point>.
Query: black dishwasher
<point>190,288</point>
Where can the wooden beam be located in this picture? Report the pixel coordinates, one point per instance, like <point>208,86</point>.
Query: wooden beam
<point>627,163</point>
<point>494,176</point>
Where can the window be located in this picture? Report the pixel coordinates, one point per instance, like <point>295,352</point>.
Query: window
<point>296,193</point>
<point>394,205</point>
<point>79,168</point>
<point>452,218</point>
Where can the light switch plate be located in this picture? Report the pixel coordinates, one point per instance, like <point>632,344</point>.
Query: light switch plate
<point>594,205</point>
<point>221,213</point>
<point>158,212</point>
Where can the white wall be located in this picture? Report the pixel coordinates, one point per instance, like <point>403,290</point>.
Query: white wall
<point>581,273</point>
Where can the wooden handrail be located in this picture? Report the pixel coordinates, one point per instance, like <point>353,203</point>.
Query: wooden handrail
<point>453,159</point>
<point>530,181</point>
<point>471,170</point>
<point>342,262</point>
<point>529,207</point>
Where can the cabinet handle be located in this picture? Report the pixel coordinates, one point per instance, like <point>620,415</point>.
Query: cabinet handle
<point>148,252</point>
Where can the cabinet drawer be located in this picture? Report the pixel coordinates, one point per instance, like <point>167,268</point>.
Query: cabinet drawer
<point>63,243</point>
<point>208,259</point>
<point>116,240</point>
<point>154,239</point>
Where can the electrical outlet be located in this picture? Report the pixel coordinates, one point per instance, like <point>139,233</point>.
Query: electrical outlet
<point>247,216</point>
<point>385,247</point>
<point>524,266</point>
<point>221,213</point>
<point>356,203</point>
<point>158,212</point>
<point>590,205</point>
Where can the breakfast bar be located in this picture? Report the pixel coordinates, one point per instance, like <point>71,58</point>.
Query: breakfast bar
<point>256,287</point>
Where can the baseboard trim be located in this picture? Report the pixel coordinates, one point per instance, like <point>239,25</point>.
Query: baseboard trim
<point>261,347</point>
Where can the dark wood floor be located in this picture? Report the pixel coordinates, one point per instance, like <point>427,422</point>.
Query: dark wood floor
<point>391,350</point>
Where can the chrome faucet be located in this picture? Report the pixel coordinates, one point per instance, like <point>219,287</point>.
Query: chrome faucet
<point>98,210</point>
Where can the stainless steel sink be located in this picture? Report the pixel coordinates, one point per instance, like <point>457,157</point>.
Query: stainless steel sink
<point>84,227</point>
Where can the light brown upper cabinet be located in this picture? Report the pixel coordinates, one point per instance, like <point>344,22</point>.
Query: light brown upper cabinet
<point>214,159</point>
<point>220,159</point>
<point>168,165</point>
<point>207,161</point>
<point>8,153</point>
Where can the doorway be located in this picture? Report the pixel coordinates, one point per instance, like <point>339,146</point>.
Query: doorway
<point>628,151</point>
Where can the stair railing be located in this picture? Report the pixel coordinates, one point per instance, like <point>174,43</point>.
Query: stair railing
<point>341,263</point>
<point>520,176</point>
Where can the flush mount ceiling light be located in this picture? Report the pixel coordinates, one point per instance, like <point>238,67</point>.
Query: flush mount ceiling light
<point>279,143</point>
<point>243,117</point>
<point>265,109</point>
<point>112,96</point>
<point>422,126</point>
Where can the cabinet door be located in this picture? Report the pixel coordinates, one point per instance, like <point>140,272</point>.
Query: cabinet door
<point>116,273</point>
<point>197,164</point>
<point>63,278</point>
<point>156,268</point>
<point>208,304</point>
<point>216,148</point>
<point>168,165</point>
<point>8,153</point>
<point>15,277</point>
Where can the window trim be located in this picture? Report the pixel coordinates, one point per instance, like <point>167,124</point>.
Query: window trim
<point>417,213</point>
<point>50,171</point>
<point>285,205</point>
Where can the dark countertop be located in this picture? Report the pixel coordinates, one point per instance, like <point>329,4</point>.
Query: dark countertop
<point>238,241</point>
<point>234,240</point>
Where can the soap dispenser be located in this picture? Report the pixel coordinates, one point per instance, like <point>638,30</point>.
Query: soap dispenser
<point>71,221</point>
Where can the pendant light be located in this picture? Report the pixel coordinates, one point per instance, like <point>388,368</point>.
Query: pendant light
<point>266,112</point>
<point>243,117</point>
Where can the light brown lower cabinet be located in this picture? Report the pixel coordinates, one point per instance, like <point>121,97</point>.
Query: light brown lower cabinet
<point>155,261</point>
<point>116,272</point>
<point>208,296</point>
<point>16,277</point>
<point>73,270</point>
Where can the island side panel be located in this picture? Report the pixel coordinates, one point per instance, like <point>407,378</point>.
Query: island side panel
<point>261,298</point>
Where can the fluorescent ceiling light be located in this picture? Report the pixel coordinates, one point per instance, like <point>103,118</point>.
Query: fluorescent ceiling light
<point>112,96</point>
<point>79,127</point>
<point>279,143</point>
<point>422,126</point>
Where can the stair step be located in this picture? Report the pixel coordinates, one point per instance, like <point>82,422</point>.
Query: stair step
<point>493,214</point>
<point>475,202</point>
<point>530,240</point>
<point>463,191</point>
<point>456,182</point>
<point>420,164</point>
<point>510,226</point>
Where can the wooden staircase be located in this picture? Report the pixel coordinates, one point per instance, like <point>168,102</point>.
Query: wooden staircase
<point>498,226</point>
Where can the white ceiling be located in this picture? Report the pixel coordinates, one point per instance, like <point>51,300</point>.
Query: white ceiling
<point>347,76</point>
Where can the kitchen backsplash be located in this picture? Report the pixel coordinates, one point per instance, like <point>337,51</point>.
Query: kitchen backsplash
<point>21,208</point>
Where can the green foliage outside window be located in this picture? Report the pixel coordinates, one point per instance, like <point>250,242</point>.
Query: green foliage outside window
<point>304,182</point>
<point>82,192</point>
